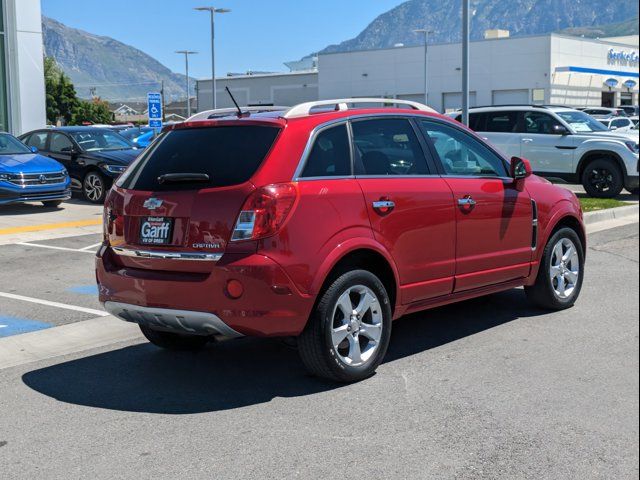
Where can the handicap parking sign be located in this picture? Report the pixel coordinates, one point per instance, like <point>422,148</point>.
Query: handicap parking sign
<point>154,102</point>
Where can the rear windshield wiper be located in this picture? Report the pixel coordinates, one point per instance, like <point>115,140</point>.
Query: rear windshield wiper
<point>183,178</point>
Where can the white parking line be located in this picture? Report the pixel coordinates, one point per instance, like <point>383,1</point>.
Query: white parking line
<point>52,247</point>
<point>97,313</point>
<point>90,247</point>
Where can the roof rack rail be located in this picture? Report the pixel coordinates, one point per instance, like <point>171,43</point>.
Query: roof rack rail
<point>304,109</point>
<point>507,105</point>
<point>224,112</point>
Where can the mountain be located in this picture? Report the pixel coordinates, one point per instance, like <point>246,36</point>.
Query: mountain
<point>628,27</point>
<point>521,17</point>
<point>117,71</point>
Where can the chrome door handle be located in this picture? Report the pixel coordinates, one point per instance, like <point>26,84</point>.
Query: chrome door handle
<point>467,202</point>
<point>381,204</point>
<point>527,140</point>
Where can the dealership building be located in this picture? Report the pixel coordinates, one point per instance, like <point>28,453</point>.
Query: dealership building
<point>541,69</point>
<point>22,93</point>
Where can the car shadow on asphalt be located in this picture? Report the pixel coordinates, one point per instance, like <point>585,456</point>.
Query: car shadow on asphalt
<point>234,374</point>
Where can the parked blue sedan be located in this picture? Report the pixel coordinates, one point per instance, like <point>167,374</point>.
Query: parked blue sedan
<point>26,176</point>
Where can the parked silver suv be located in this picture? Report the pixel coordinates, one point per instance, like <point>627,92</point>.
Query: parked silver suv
<point>563,143</point>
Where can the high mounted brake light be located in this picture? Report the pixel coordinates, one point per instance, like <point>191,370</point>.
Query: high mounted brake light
<point>264,212</point>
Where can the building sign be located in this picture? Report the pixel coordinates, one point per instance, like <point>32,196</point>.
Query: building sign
<point>620,57</point>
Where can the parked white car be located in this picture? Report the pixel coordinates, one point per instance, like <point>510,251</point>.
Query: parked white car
<point>619,124</point>
<point>604,112</point>
<point>563,143</point>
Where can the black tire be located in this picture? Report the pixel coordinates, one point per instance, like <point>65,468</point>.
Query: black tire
<point>94,187</point>
<point>52,203</point>
<point>602,178</point>
<point>315,343</point>
<point>174,341</point>
<point>543,293</point>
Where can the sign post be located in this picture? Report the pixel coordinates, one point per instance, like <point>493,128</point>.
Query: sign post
<point>154,105</point>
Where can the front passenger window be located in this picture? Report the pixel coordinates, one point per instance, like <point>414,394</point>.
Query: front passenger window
<point>461,154</point>
<point>60,143</point>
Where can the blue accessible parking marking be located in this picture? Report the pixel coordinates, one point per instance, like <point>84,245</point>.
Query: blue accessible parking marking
<point>84,289</point>
<point>15,326</point>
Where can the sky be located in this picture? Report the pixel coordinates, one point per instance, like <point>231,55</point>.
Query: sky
<point>257,35</point>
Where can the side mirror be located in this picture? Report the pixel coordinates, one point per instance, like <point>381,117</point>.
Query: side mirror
<point>33,149</point>
<point>520,168</point>
<point>560,130</point>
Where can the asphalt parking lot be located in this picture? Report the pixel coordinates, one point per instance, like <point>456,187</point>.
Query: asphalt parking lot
<point>489,388</point>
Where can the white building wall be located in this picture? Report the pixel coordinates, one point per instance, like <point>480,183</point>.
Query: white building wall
<point>285,89</point>
<point>26,91</point>
<point>585,89</point>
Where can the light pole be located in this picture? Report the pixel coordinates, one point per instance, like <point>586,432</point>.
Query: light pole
<point>426,61</point>
<point>186,54</point>
<point>465,62</point>
<point>212,11</point>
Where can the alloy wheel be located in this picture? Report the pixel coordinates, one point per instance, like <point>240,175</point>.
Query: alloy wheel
<point>357,326</point>
<point>93,187</point>
<point>565,268</point>
<point>601,179</point>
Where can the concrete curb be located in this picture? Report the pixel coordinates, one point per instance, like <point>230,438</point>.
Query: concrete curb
<point>610,214</point>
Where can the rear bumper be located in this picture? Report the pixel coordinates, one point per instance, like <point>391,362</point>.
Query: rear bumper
<point>197,302</point>
<point>175,321</point>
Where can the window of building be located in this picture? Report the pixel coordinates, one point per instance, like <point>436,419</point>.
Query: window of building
<point>388,147</point>
<point>330,156</point>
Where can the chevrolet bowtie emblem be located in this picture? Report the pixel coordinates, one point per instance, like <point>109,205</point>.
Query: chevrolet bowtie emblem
<point>152,203</point>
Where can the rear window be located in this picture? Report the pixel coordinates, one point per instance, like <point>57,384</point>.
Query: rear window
<point>228,155</point>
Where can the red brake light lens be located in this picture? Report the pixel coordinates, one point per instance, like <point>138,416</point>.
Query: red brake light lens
<point>264,212</point>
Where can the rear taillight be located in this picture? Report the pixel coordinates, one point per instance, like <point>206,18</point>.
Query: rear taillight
<point>264,212</point>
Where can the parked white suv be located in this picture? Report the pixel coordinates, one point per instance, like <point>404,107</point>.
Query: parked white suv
<point>620,124</point>
<point>563,143</point>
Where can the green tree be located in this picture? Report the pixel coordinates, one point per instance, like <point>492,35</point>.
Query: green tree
<point>93,111</point>
<point>60,93</point>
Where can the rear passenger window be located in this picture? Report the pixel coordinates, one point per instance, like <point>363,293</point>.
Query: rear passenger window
<point>461,154</point>
<point>330,155</point>
<point>37,139</point>
<point>388,147</point>
<point>501,122</point>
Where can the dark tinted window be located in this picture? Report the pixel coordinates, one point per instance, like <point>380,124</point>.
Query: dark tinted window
<point>228,155</point>
<point>60,143</point>
<point>539,122</point>
<point>388,147</point>
<point>330,156</point>
<point>501,122</point>
<point>461,154</point>
<point>477,121</point>
<point>36,139</point>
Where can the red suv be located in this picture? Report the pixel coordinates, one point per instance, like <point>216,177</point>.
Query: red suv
<point>326,222</point>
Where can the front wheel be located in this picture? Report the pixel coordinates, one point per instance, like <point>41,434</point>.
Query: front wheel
<point>602,178</point>
<point>94,187</point>
<point>348,333</point>
<point>561,273</point>
<point>174,341</point>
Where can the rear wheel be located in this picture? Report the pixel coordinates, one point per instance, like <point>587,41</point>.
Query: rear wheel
<point>561,272</point>
<point>94,187</point>
<point>348,333</point>
<point>52,203</point>
<point>174,341</point>
<point>602,178</point>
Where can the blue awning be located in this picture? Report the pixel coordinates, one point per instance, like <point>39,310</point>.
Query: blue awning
<point>598,71</point>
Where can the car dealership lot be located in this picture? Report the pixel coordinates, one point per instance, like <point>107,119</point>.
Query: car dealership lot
<point>485,389</point>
